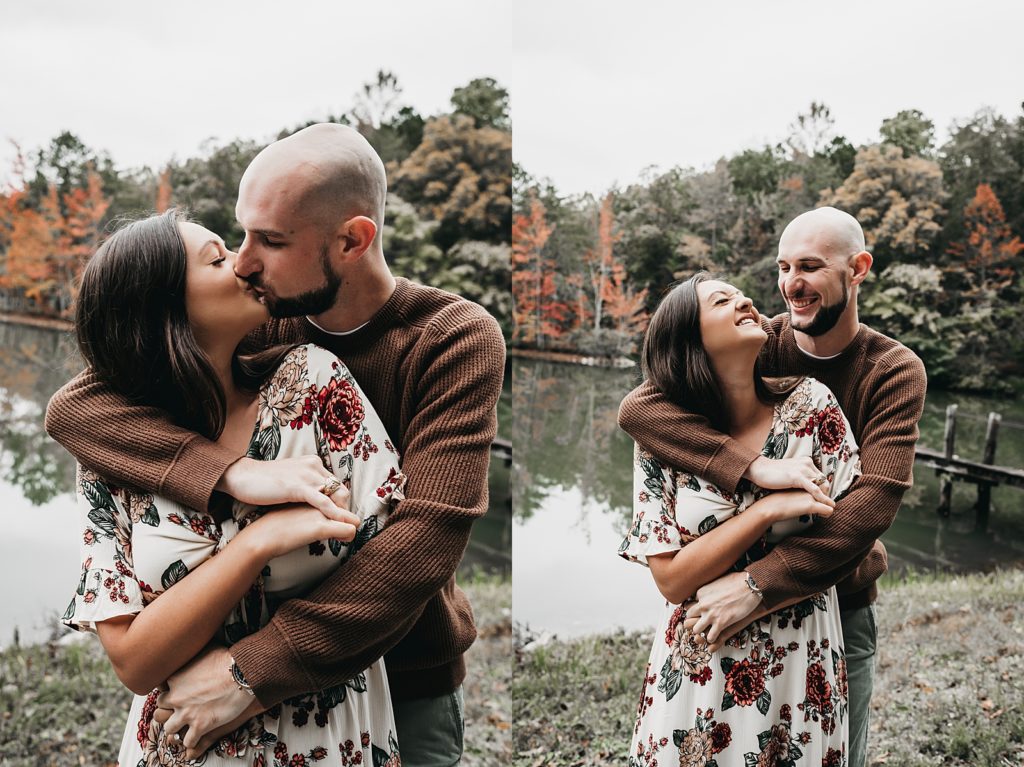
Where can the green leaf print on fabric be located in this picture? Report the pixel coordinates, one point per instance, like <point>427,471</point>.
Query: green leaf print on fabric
<point>671,679</point>
<point>150,516</point>
<point>706,524</point>
<point>367,530</point>
<point>103,518</point>
<point>775,446</point>
<point>98,495</point>
<point>174,573</point>
<point>764,702</point>
<point>655,479</point>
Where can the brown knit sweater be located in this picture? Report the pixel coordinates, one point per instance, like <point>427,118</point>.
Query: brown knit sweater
<point>880,385</point>
<point>431,364</point>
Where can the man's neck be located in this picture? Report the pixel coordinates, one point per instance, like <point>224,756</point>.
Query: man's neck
<point>358,301</point>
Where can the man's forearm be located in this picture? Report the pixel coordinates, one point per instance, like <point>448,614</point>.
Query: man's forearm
<point>134,445</point>
<point>682,439</point>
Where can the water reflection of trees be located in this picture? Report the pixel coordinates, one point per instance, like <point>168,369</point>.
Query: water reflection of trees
<point>565,434</point>
<point>34,363</point>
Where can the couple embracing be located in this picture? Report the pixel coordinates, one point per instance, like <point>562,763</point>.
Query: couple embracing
<point>771,455</point>
<point>281,453</point>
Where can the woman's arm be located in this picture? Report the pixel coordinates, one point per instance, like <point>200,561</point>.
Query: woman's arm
<point>149,646</point>
<point>680,573</point>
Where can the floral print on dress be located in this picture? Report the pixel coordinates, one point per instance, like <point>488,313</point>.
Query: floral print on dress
<point>790,664</point>
<point>136,545</point>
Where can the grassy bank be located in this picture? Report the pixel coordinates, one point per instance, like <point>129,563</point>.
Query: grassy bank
<point>63,706</point>
<point>949,689</point>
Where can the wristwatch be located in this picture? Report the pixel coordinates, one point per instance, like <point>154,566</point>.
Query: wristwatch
<point>752,585</point>
<point>239,678</point>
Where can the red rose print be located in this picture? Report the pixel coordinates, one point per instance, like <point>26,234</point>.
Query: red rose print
<point>745,681</point>
<point>90,596</point>
<point>831,429</point>
<point>833,758</point>
<point>341,413</point>
<point>674,621</point>
<point>364,738</point>
<point>146,717</point>
<point>721,737</point>
<point>819,691</point>
<point>89,537</point>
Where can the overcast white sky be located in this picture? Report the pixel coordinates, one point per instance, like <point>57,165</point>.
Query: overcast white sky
<point>603,90</point>
<point>146,81</point>
<point>600,90</point>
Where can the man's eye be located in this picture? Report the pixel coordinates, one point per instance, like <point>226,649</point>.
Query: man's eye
<point>272,243</point>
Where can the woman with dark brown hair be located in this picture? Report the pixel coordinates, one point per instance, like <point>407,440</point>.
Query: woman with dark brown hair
<point>775,693</point>
<point>161,316</point>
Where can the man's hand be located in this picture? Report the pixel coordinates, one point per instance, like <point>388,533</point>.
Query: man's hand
<point>721,604</point>
<point>286,480</point>
<point>204,698</point>
<point>782,473</point>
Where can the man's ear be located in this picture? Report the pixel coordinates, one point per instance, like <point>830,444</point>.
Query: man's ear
<point>860,265</point>
<point>355,236</point>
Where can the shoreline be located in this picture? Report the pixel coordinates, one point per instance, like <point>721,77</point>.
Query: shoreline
<point>34,321</point>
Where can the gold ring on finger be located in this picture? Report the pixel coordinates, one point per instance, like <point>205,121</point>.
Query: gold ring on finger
<point>330,486</point>
<point>821,480</point>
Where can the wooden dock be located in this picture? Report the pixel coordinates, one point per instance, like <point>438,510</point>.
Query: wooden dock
<point>985,474</point>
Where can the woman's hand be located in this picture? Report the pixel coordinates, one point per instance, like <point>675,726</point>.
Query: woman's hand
<point>286,480</point>
<point>292,526</point>
<point>793,504</point>
<point>783,473</point>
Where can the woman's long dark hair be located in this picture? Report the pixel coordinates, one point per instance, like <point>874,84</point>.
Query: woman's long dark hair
<point>675,361</point>
<point>132,326</point>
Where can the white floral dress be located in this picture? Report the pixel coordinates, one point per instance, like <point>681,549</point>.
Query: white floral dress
<point>136,545</point>
<point>776,694</point>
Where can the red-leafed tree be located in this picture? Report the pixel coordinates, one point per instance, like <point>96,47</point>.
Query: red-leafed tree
<point>79,236</point>
<point>538,313</point>
<point>625,307</point>
<point>163,191</point>
<point>990,252</point>
<point>33,238</point>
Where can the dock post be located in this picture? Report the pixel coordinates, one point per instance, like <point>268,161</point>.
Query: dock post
<point>946,480</point>
<point>989,458</point>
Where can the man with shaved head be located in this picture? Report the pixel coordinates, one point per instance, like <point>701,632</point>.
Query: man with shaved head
<point>880,385</point>
<point>431,364</point>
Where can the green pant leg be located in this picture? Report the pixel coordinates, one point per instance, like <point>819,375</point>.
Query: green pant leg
<point>430,730</point>
<point>860,638</point>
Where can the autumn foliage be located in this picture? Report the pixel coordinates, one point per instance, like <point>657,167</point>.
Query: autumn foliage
<point>990,253</point>
<point>555,308</point>
<point>47,242</point>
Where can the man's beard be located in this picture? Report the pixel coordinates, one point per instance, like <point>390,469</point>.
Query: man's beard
<point>824,320</point>
<point>312,302</point>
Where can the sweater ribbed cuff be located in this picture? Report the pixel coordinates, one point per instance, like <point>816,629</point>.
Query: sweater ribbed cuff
<point>192,476</point>
<point>266,659</point>
<point>729,463</point>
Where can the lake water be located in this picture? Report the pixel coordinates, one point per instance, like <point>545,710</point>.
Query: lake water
<point>39,556</point>
<point>572,484</point>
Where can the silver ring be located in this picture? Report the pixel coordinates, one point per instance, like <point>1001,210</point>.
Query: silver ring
<point>330,486</point>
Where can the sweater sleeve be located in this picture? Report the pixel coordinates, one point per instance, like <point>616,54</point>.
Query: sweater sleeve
<point>366,607</point>
<point>88,417</point>
<point>685,440</point>
<point>833,547</point>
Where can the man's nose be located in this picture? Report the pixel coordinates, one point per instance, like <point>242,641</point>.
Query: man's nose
<point>245,262</point>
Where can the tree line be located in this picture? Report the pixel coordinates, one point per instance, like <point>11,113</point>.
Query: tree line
<point>943,222</point>
<point>449,211</point>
